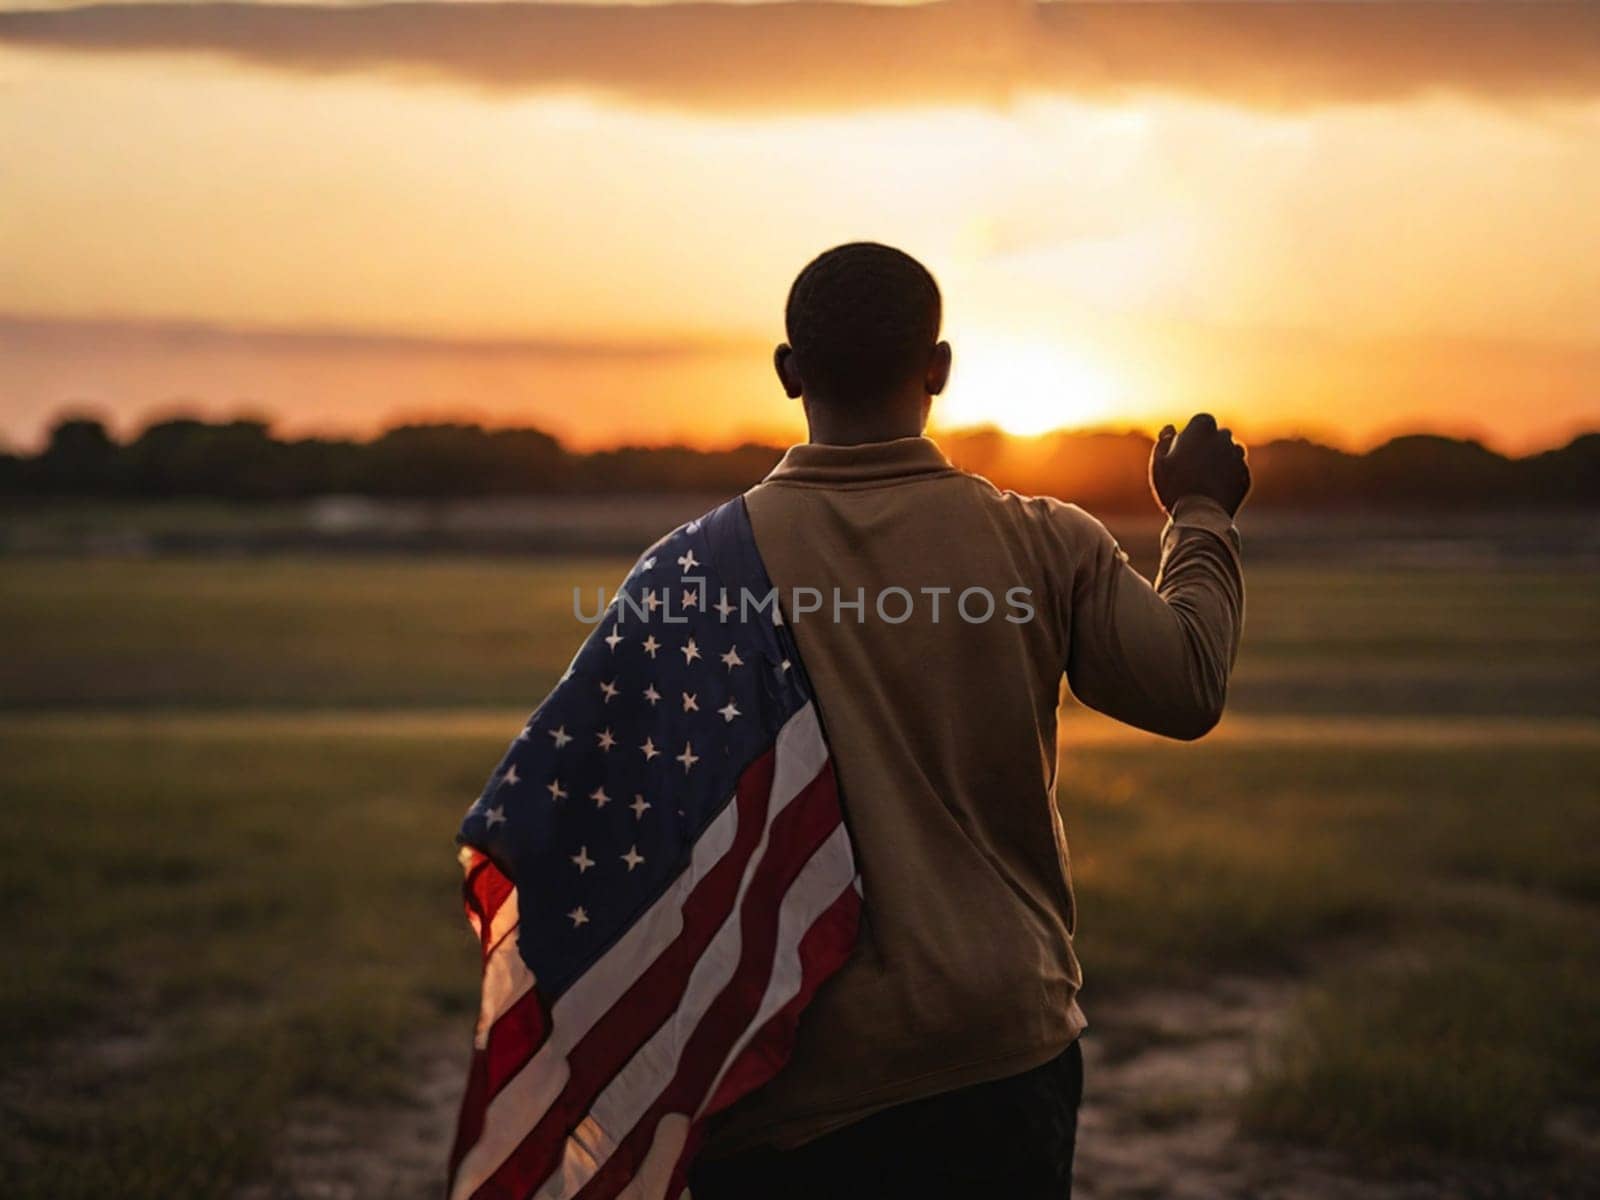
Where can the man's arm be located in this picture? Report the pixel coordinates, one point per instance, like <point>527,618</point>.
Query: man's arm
<point>1158,657</point>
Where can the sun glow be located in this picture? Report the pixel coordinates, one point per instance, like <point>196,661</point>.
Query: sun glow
<point>1024,387</point>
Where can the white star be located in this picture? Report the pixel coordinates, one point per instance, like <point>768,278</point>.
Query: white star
<point>688,758</point>
<point>651,645</point>
<point>510,778</point>
<point>610,690</point>
<point>578,917</point>
<point>784,665</point>
<point>581,860</point>
<point>557,792</point>
<point>688,560</point>
<point>599,797</point>
<point>604,739</point>
<point>651,600</point>
<point>731,659</point>
<point>729,711</point>
<point>693,526</point>
<point>494,816</point>
<point>722,605</point>
<point>649,749</point>
<point>633,858</point>
<point>561,736</point>
<point>639,805</point>
<point>648,563</point>
<point>691,598</point>
<point>690,704</point>
<point>523,736</point>
<point>613,639</point>
<point>690,652</point>
<point>652,695</point>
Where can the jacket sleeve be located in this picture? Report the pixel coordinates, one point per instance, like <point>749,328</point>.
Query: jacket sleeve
<point>1156,656</point>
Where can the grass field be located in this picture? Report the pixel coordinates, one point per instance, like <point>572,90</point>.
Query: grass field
<point>227,880</point>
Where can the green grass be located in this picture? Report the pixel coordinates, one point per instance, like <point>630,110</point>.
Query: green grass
<point>1442,901</point>
<point>200,931</point>
<point>212,904</point>
<point>433,632</point>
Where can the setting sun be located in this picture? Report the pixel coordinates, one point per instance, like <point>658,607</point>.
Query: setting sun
<point>1024,387</point>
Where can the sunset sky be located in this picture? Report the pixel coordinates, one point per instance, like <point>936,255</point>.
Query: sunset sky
<point>1345,220</point>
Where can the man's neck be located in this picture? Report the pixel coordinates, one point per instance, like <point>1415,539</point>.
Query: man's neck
<point>832,429</point>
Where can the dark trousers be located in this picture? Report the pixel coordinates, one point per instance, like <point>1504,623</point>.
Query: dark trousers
<point>1011,1138</point>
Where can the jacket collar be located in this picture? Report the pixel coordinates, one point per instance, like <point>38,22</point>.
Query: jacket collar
<point>870,462</point>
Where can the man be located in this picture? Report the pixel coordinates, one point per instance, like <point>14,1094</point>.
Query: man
<point>942,1059</point>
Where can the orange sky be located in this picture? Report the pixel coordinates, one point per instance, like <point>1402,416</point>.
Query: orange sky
<point>1347,222</point>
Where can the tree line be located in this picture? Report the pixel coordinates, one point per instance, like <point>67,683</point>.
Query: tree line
<point>245,461</point>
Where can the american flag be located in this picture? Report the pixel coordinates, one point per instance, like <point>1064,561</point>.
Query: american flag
<point>660,878</point>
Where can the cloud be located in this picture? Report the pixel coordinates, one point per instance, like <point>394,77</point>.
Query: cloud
<point>818,55</point>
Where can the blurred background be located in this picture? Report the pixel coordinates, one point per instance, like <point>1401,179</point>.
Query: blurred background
<point>339,344</point>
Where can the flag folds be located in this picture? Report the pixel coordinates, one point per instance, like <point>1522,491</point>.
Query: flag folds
<point>660,878</point>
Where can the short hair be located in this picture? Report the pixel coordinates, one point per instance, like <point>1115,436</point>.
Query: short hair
<point>861,319</point>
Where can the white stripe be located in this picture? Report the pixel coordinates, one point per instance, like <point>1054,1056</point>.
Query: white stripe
<point>519,1106</point>
<point>626,1099</point>
<point>506,979</point>
<point>830,872</point>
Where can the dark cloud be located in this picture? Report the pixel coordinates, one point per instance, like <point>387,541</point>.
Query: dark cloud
<point>820,55</point>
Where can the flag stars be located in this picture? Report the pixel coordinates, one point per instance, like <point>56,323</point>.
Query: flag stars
<point>560,736</point>
<point>731,659</point>
<point>633,858</point>
<point>609,690</point>
<point>690,703</point>
<point>688,758</point>
<point>581,860</point>
<point>648,564</point>
<point>605,739</point>
<point>652,695</point>
<point>650,645</point>
<point>690,651</point>
<point>640,805</point>
<point>578,916</point>
<point>649,749</point>
<point>613,639</point>
<point>722,606</point>
<point>687,561</point>
<point>599,797</point>
<point>729,711</point>
<point>557,792</point>
<point>652,601</point>
<point>510,778</point>
<point>494,816</point>
<point>691,598</point>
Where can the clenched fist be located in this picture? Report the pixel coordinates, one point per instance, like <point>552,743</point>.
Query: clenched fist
<point>1201,461</point>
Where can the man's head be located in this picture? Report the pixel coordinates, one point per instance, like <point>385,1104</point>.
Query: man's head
<point>863,349</point>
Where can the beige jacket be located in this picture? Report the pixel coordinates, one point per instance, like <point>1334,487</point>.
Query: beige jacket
<point>943,731</point>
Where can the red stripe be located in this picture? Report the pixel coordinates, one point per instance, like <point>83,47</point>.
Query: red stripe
<point>823,950</point>
<point>514,1039</point>
<point>799,831</point>
<point>485,889</point>
<point>474,1103</point>
<point>649,1001</point>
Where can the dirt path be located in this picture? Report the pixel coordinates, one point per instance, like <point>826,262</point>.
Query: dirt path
<point>1163,1070</point>
<point>1162,1074</point>
<point>391,1152</point>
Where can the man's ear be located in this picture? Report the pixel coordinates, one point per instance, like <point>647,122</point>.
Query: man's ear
<point>783,363</point>
<point>938,369</point>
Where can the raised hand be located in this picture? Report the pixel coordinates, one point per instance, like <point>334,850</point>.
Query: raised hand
<point>1201,461</point>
